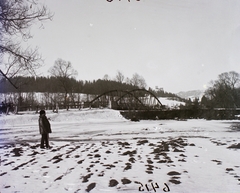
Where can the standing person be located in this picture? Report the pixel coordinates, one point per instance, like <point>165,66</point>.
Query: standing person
<point>44,129</point>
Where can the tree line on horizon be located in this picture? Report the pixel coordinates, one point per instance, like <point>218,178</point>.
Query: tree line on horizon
<point>52,84</point>
<point>223,92</point>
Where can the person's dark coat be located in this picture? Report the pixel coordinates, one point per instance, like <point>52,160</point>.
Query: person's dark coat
<point>44,125</point>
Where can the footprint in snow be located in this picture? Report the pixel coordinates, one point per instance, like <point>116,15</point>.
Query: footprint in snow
<point>113,183</point>
<point>90,187</point>
<point>175,177</point>
<point>126,181</point>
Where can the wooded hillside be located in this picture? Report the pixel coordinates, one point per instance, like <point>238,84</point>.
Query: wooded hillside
<point>52,85</point>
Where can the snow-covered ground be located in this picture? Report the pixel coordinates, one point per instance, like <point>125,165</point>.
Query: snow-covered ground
<point>170,103</point>
<point>100,151</point>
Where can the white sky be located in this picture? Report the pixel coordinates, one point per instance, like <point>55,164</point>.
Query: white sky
<point>178,45</point>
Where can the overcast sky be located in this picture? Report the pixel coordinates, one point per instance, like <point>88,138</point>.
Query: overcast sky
<point>177,45</point>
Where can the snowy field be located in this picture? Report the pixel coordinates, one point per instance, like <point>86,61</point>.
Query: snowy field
<point>100,151</point>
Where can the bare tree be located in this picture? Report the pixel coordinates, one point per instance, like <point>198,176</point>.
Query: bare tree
<point>64,71</point>
<point>16,19</point>
<point>128,81</point>
<point>138,81</point>
<point>225,92</point>
<point>106,77</point>
<point>231,79</point>
<point>119,77</point>
<point>62,68</point>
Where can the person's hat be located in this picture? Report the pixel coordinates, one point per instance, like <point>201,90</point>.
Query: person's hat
<point>42,112</point>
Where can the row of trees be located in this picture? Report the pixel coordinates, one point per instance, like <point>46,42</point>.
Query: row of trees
<point>63,79</point>
<point>53,85</point>
<point>63,88</point>
<point>223,92</point>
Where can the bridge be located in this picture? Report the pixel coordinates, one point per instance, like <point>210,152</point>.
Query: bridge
<point>137,99</point>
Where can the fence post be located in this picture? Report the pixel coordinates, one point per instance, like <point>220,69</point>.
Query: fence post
<point>57,108</point>
<point>16,109</point>
<point>7,111</point>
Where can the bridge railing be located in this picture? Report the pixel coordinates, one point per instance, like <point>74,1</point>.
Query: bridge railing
<point>138,99</point>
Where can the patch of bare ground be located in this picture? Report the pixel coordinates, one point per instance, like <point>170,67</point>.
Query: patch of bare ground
<point>113,183</point>
<point>235,146</point>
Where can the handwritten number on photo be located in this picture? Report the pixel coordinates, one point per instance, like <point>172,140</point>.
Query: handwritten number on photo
<point>146,187</point>
<point>166,189</point>
<point>140,188</point>
<point>154,187</point>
